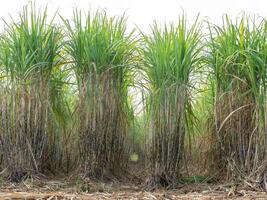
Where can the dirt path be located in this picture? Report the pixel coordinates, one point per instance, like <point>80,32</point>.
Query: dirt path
<point>205,195</point>
<point>64,189</point>
<point>125,195</point>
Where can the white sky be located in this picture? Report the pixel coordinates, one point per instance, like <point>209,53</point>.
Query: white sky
<point>143,12</point>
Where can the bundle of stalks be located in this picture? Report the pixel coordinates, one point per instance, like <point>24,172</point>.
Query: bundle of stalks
<point>238,60</point>
<point>102,54</point>
<point>170,56</point>
<point>30,49</point>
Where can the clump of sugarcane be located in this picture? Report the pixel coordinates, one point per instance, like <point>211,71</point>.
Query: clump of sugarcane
<point>101,53</point>
<point>237,58</point>
<point>29,51</point>
<point>170,55</point>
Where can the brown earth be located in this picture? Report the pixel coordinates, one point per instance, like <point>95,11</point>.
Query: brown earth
<point>87,189</point>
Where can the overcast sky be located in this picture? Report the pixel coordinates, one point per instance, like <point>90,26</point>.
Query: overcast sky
<point>143,12</point>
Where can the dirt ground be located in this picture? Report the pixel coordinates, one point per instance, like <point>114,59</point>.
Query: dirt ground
<point>127,195</point>
<point>80,189</point>
<point>130,195</point>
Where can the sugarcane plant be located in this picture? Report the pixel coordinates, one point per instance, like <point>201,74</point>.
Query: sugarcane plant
<point>237,57</point>
<point>171,55</point>
<point>29,51</point>
<point>101,53</point>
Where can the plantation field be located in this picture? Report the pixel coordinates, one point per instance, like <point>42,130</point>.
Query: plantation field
<point>62,190</point>
<point>124,114</point>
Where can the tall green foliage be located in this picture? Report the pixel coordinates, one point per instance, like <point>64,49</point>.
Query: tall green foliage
<point>238,60</point>
<point>65,102</point>
<point>171,55</point>
<point>102,54</point>
<point>30,50</point>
